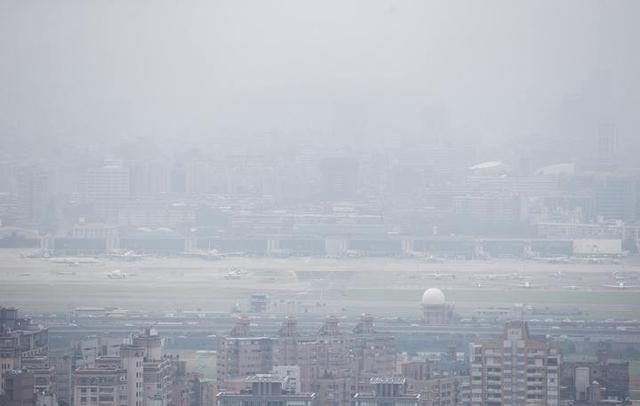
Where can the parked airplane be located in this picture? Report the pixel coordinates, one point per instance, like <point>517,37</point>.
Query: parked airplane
<point>439,275</point>
<point>127,256</point>
<point>73,260</point>
<point>433,260</point>
<point>552,260</point>
<point>211,255</point>
<point>117,274</point>
<point>492,277</point>
<point>527,285</point>
<point>354,253</point>
<point>233,274</point>
<point>621,285</point>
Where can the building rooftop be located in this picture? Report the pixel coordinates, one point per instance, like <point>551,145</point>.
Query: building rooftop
<point>265,378</point>
<point>396,380</point>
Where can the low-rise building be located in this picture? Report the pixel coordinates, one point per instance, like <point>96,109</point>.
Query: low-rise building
<point>387,391</point>
<point>93,386</point>
<point>266,390</point>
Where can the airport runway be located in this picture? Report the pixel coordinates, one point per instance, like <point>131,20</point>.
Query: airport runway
<point>384,286</point>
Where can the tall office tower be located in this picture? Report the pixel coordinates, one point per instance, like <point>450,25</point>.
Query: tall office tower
<point>178,179</point>
<point>339,178</point>
<point>241,354</point>
<point>266,390</point>
<point>607,152</point>
<point>107,188</point>
<point>198,177</point>
<point>515,369</point>
<point>131,360</point>
<point>349,124</point>
<point>148,178</point>
<point>616,197</point>
<point>34,197</point>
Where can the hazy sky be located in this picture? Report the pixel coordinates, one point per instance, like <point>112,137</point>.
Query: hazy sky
<point>192,69</point>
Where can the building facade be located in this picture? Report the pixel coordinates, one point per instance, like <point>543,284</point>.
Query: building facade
<point>514,369</point>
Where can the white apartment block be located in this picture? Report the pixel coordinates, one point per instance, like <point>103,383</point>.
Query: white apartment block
<point>514,370</point>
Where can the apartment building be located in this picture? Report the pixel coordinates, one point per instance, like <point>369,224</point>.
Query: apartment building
<point>515,369</point>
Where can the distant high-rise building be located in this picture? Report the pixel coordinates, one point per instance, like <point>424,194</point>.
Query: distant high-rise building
<point>339,178</point>
<point>109,182</point>
<point>515,369</point>
<point>34,198</point>
<point>349,123</point>
<point>107,188</point>
<point>148,178</point>
<point>178,179</point>
<point>607,145</point>
<point>616,197</point>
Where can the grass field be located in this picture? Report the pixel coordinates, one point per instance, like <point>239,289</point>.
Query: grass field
<point>634,370</point>
<point>404,302</point>
<point>504,296</point>
<point>61,297</point>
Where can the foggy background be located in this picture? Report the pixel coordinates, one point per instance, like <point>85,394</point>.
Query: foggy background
<point>502,76</point>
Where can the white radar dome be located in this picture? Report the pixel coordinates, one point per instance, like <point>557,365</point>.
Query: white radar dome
<point>433,296</point>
